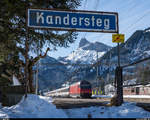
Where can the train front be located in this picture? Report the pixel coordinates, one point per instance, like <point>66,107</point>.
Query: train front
<point>85,89</point>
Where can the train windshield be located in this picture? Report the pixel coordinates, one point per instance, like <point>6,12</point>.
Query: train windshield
<point>85,85</point>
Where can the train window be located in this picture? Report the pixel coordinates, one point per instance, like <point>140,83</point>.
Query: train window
<point>86,86</point>
<point>132,90</point>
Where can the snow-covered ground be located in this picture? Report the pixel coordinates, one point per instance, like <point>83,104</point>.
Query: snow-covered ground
<point>41,107</point>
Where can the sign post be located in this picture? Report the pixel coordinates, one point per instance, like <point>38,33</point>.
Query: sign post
<point>118,38</point>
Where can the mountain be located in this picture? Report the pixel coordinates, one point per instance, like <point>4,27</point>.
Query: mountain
<point>97,46</point>
<point>137,47</point>
<point>52,73</point>
<point>83,42</point>
<point>86,53</point>
<point>134,49</point>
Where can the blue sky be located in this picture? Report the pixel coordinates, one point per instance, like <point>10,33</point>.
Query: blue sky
<point>133,15</point>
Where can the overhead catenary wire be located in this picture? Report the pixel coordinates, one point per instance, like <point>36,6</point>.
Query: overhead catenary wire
<point>135,22</point>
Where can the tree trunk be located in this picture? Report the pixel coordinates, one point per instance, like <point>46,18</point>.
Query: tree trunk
<point>30,71</point>
<point>30,78</point>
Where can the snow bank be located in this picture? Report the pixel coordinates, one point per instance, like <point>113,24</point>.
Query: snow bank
<point>33,107</point>
<point>126,110</point>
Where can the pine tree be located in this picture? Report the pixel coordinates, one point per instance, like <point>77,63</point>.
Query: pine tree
<point>8,45</point>
<point>13,29</point>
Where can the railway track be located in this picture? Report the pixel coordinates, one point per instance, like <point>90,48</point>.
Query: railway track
<point>138,100</point>
<point>69,103</point>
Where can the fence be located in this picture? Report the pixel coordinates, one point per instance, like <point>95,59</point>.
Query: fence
<point>11,95</point>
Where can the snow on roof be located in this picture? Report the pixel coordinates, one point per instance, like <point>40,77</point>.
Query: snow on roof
<point>15,81</point>
<point>57,90</point>
<point>130,82</point>
<point>76,83</point>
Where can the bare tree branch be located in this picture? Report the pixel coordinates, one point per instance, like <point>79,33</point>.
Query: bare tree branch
<point>38,57</point>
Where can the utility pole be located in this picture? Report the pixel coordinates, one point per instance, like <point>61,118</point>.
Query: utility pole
<point>109,64</point>
<point>108,74</point>
<point>97,78</point>
<point>118,47</point>
<point>118,78</point>
<point>37,71</point>
<point>27,62</point>
<point>119,82</point>
<point>26,55</point>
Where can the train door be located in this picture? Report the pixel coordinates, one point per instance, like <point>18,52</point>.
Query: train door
<point>137,90</point>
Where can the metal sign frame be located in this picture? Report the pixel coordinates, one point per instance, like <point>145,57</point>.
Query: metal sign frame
<point>114,14</point>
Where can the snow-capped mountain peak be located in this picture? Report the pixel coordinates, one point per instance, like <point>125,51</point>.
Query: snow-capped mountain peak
<point>84,56</point>
<point>83,42</point>
<point>87,52</point>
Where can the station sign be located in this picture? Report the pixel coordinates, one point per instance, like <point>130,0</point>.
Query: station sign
<point>118,38</point>
<point>76,20</point>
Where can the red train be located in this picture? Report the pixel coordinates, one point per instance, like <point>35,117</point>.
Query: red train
<point>80,89</point>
